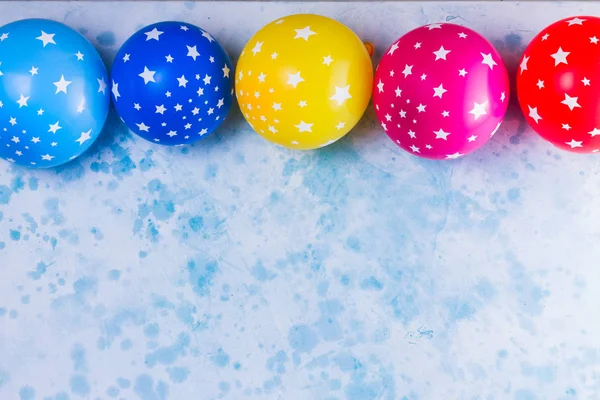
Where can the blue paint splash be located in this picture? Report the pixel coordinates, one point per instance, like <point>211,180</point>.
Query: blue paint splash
<point>169,354</point>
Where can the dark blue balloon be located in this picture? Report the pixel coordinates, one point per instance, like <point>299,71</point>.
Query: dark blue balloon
<point>53,93</point>
<point>172,83</point>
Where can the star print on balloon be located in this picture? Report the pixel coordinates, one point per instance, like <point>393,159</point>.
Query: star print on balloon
<point>441,91</point>
<point>172,83</point>
<point>557,84</point>
<point>304,81</point>
<point>53,93</point>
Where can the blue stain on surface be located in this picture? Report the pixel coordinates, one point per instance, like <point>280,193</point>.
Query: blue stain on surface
<point>371,283</point>
<point>123,383</point>
<point>27,393</point>
<point>178,374</point>
<point>13,314</point>
<point>70,172</point>
<point>302,338</point>
<point>103,167</point>
<point>544,373</point>
<point>353,243</point>
<point>201,275</point>
<point>33,183</point>
<point>461,308</point>
<point>114,275</point>
<point>151,331</point>
<point>80,385</point>
<point>106,38</point>
<point>25,299</point>
<point>271,384</point>
<point>40,270</point>
<point>485,290</point>
<point>2,311</point>
<point>196,223</point>
<point>112,391</point>
<point>4,376</point>
<point>122,167</point>
<point>169,354</point>
<point>328,327</point>
<point>513,194</point>
<point>17,184</point>
<point>78,357</point>
<point>277,362</point>
<point>261,273</point>
<point>145,389</point>
<point>97,234</point>
<point>5,193</point>
<point>32,225</point>
<point>524,394</point>
<point>529,294</point>
<point>347,363</point>
<point>15,235</point>
<point>146,163</point>
<point>224,386</point>
<point>211,171</point>
<point>220,358</point>
<point>126,344</point>
<point>113,326</point>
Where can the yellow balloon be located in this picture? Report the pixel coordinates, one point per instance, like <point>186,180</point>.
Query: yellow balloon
<point>304,81</point>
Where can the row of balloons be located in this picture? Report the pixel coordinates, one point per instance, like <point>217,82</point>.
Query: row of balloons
<point>303,81</point>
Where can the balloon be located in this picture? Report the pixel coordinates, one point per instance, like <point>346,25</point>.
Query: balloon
<point>557,84</point>
<point>53,93</point>
<point>441,91</point>
<point>172,83</point>
<point>304,81</point>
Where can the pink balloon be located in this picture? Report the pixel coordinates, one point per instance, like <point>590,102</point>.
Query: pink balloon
<point>441,91</point>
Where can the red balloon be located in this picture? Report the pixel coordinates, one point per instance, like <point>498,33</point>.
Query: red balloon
<point>558,84</point>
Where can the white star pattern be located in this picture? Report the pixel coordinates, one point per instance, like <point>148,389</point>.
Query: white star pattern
<point>571,102</point>
<point>46,38</point>
<point>533,113</point>
<point>115,90</point>
<point>523,66</point>
<point>304,127</point>
<point>560,57</point>
<point>439,91</point>
<point>192,52</point>
<point>257,48</point>
<point>576,21</point>
<point>22,101</point>
<point>488,60</point>
<point>101,86</point>
<point>441,53</point>
<point>154,34</point>
<point>479,109</point>
<point>147,75</point>
<point>304,33</point>
<point>85,136</point>
<point>341,94</point>
<point>294,79</point>
<point>61,85</point>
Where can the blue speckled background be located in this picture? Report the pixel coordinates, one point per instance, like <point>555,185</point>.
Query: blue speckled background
<point>235,269</point>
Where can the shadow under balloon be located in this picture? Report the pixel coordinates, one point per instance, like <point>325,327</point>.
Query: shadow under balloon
<point>511,48</point>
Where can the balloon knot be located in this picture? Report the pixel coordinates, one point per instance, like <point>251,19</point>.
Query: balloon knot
<point>370,48</point>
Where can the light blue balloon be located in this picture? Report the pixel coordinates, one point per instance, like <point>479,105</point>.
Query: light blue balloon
<point>54,94</point>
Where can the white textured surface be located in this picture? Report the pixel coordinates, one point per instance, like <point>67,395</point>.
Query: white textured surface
<point>234,269</point>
